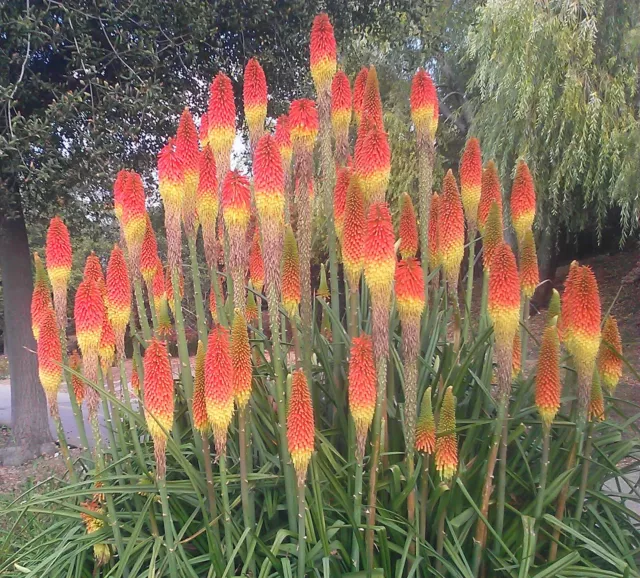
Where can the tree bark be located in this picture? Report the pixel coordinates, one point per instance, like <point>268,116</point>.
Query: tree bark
<point>30,420</point>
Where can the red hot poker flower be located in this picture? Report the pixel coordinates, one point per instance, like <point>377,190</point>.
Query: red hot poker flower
<point>255,98</point>
<point>426,426</point>
<point>490,191</point>
<point>471,181</point>
<point>424,105</point>
<point>343,177</point>
<point>188,154</point>
<point>435,258</point>
<point>529,276</point>
<point>323,53</point>
<point>290,274</point>
<point>200,419</point>
<point>241,360</point>
<point>408,230</point>
<point>303,123</point>
<point>269,181</point>
<point>41,297</point>
<point>451,229</point>
<point>300,428</point>
<point>208,205</point>
<point>134,218</point>
<point>118,191</point>
<point>504,295</point>
<point>353,236</point>
<point>359,85</point>
<point>548,383</point>
<point>362,388</point>
<point>50,359</point>
<point>373,164</point>
<point>256,264</point>
<point>283,140</point>
<point>341,113</point>
<point>447,440</point>
<point>609,357</point>
<point>149,260</point>
<point>118,298</point>
<point>222,118</point>
<point>59,259</point>
<point>523,200</point>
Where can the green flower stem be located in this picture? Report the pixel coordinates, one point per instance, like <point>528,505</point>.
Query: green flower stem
<point>201,315</point>
<point>502,476</point>
<point>544,468</point>
<point>524,334</point>
<point>142,311</point>
<point>211,496</point>
<point>562,500</point>
<point>132,422</point>
<point>440,537</point>
<point>357,515</point>
<point>64,447</point>
<point>469,292</point>
<point>424,496</point>
<point>247,510</point>
<point>586,461</point>
<point>483,301</point>
<point>302,540</point>
<point>77,409</point>
<point>183,351</point>
<point>220,311</point>
<point>169,530</point>
<point>354,301</point>
<point>226,507</point>
<point>426,155</point>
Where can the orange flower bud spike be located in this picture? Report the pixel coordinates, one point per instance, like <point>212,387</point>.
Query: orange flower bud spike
<point>135,379</point>
<point>447,440</point>
<point>490,191</point>
<point>408,232</point>
<point>251,312</point>
<point>451,230</point>
<point>596,402</point>
<point>118,191</point>
<point>149,260</point>
<point>323,287</point>
<point>426,426</point>
<point>290,274</point>
<point>523,201</point>
<point>409,287</point>
<point>516,359</point>
<point>424,106</point>
<point>255,99</point>
<point>529,276</point>
<point>343,178</point>
<point>341,114</point>
<point>435,258</point>
<point>373,164</point>
<point>269,183</point>
<point>222,122</point>
<point>218,386</point>
<point>59,260</point>
<point>107,348</point>
<point>503,302</point>
<point>282,136</point>
<point>93,270</point>
<point>118,298</point>
<point>471,182</point>
<point>200,419</point>
<point>300,428</point>
<point>188,154</point>
<point>134,219</point>
<point>208,205</point>
<point>303,123</point>
<point>158,399</point>
<point>359,86</point>
<point>493,235</point>
<point>353,236</point>
<point>362,389</point>
<point>372,115</point>
<point>322,49</point>
<point>75,364</point>
<point>41,297</point>
<point>548,385</point>
<point>241,360</point>
<point>610,355</point>
<point>50,359</point>
<point>171,191</point>
<point>256,264</point>
<point>101,551</point>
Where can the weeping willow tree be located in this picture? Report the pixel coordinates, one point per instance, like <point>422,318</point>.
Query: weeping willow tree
<point>557,83</point>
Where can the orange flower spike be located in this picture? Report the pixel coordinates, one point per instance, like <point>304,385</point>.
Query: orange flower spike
<point>359,86</point>
<point>118,191</point>
<point>435,258</point>
<point>343,178</point>
<point>424,105</point>
<point>341,112</point>
<point>188,153</point>
<point>158,399</point>
<point>362,388</point>
<point>596,400</point>
<point>523,201</point>
<point>236,202</point>
<point>426,426</point>
<point>490,191</point>
<point>218,386</point>
<point>493,235</point>
<point>529,276</point>
<point>241,360</point>
<point>290,274</point>
<point>40,298</point>
<point>170,178</point>
<point>409,288</point>
<point>516,358</point>
<point>300,428</point>
<point>373,164</point>
<point>471,181</point>
<point>107,348</point>
<point>254,93</point>
<point>208,205</point>
<point>282,136</point>
<point>372,103</point>
<point>447,440</point>
<point>118,299</point>
<point>503,302</point>
<point>323,287</point>
<point>548,385</point>
<point>256,264</point>
<point>135,380</point>
<point>379,252</point>
<point>303,123</point>
<point>251,311</point>
<point>59,259</point>
<point>200,419</point>
<point>451,229</point>
<point>134,217</point>
<point>50,358</point>
<point>93,270</point>
<point>610,355</point>
<point>169,288</point>
<point>269,181</point>
<point>149,260</point>
<point>89,315</point>
<point>222,117</point>
<point>76,382</point>
<point>408,230</point>
<point>322,49</point>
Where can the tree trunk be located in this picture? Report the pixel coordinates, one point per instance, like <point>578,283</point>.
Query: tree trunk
<point>547,263</point>
<point>30,421</point>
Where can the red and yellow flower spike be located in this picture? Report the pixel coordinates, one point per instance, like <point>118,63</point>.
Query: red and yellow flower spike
<point>93,270</point>
<point>493,235</point>
<point>408,229</point>
<point>158,399</point>
<point>516,356</point>
<point>218,386</point>
<point>610,355</point>
<point>362,389</point>
<point>435,257</point>
<point>451,229</point>
<point>251,311</point>
<point>188,154</point>
<point>118,299</point>
<point>290,274</point>
<point>447,440</point>
<point>40,298</point>
<point>373,164</point>
<point>222,121</point>
<point>523,201</point>
<point>107,348</point>
<point>303,124</point>
<point>169,287</point>
<point>171,192</point>
<point>409,287</point>
<point>75,364</point>
<point>424,106</point>
<point>282,135</point>
<point>149,260</point>
<point>353,236</point>
<point>135,379</point>
<point>254,94</point>
<point>426,426</point>
<point>50,359</point>
<point>118,190</point>
<point>343,178</point>
<point>300,428</point>
<point>548,385</point>
<point>89,314</point>
<point>269,182</point>
<point>371,103</point>
<point>490,191</point>
<point>471,181</point>
<point>200,418</point>
<point>359,86</point>
<point>59,260</point>
<point>134,218</point>
<point>503,302</point>
<point>596,400</point>
<point>341,114</point>
<point>322,49</point>
<point>101,551</point>
<point>208,205</point>
<point>241,360</point>
<point>256,264</point>
<point>529,275</point>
